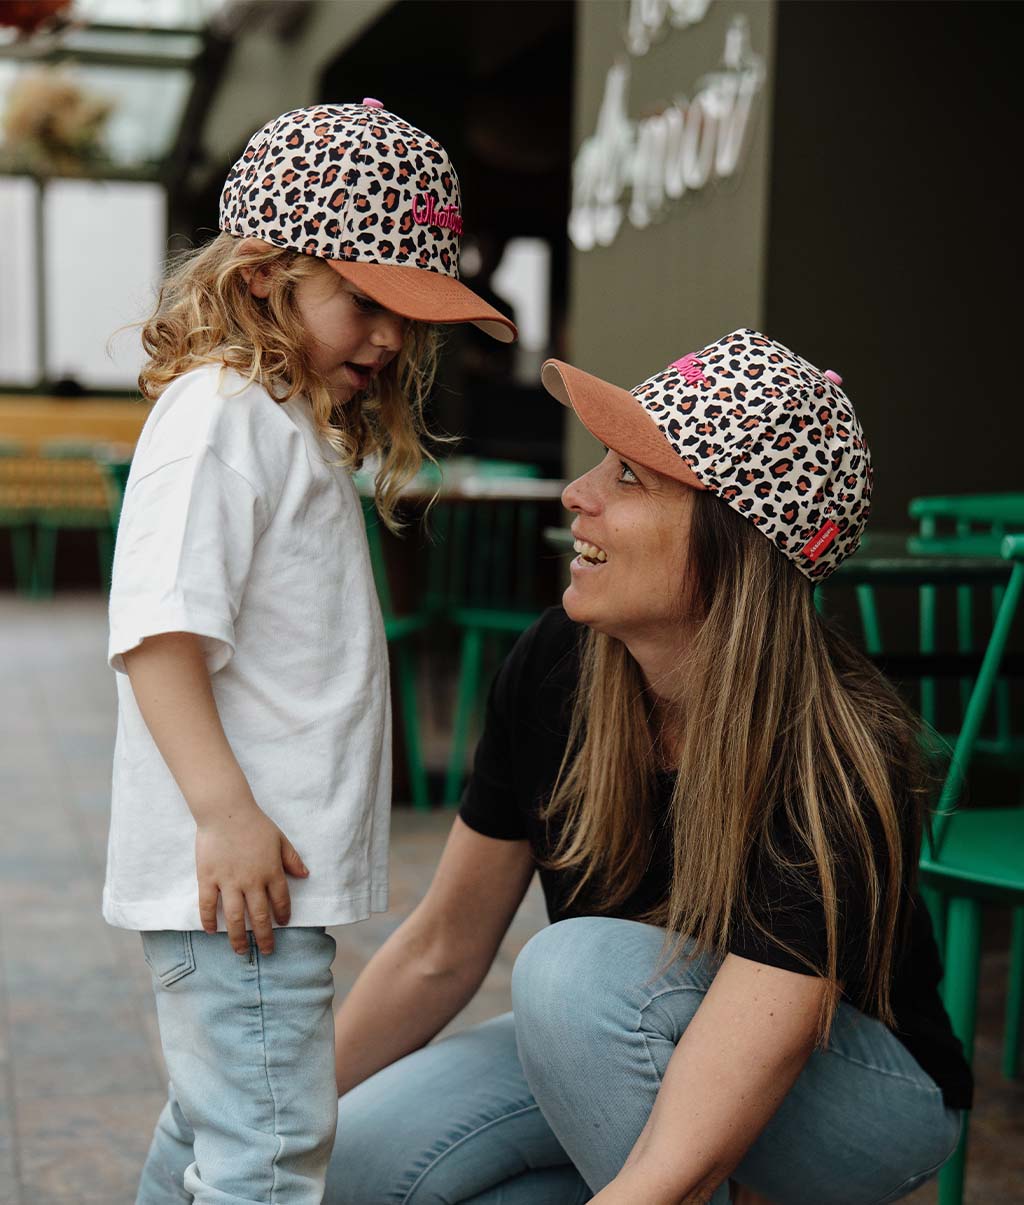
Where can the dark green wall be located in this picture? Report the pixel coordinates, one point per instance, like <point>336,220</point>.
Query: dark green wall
<point>894,246</point>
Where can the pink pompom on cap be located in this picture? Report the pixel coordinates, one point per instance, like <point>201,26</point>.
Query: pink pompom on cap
<point>371,102</point>
<point>834,377</point>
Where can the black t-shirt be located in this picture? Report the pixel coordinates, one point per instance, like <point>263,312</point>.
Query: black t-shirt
<point>517,762</point>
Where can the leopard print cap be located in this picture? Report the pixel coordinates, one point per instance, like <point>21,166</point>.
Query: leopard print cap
<point>347,182</point>
<point>775,438</point>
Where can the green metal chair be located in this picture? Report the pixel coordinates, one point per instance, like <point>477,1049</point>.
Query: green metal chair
<point>486,581</point>
<point>998,515</point>
<point>16,512</point>
<point>401,631</point>
<point>115,463</point>
<point>974,855</point>
<point>72,497</point>
<point>480,577</point>
<point>949,527</point>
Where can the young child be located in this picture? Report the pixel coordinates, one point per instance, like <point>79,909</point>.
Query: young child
<point>251,784</point>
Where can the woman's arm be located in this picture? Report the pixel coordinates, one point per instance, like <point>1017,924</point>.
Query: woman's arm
<point>432,965</point>
<point>739,1056</point>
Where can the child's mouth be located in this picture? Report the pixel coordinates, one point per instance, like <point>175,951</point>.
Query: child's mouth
<point>359,374</point>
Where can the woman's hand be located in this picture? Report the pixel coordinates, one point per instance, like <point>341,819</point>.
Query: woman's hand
<point>433,963</point>
<point>243,857</point>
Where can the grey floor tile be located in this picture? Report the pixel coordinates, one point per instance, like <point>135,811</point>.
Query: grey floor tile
<point>89,1071</point>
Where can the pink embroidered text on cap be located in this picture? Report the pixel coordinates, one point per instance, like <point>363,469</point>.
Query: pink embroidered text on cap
<point>371,102</point>
<point>834,377</point>
<point>817,544</point>
<point>690,369</point>
<point>425,213</point>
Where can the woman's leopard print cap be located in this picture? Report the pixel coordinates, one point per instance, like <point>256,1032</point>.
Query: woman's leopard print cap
<point>753,422</point>
<point>369,193</point>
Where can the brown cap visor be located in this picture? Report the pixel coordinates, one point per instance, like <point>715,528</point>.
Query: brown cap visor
<point>617,419</point>
<point>425,296</point>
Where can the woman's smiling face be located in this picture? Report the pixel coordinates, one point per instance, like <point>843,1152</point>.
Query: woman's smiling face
<point>632,529</point>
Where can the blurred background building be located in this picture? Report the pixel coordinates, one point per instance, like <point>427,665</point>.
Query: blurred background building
<point>834,174</point>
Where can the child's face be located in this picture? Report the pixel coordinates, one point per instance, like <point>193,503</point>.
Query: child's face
<point>350,338</point>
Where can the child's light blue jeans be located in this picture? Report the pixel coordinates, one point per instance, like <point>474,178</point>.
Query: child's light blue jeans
<point>479,1120</point>
<point>249,1045</point>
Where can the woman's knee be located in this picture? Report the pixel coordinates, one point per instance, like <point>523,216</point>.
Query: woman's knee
<point>591,957</point>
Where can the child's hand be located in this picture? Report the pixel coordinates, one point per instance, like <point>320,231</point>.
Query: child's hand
<point>243,856</point>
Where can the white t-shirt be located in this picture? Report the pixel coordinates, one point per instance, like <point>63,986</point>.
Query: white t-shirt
<point>237,527</point>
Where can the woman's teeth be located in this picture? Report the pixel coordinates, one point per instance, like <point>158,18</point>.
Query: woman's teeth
<point>590,552</point>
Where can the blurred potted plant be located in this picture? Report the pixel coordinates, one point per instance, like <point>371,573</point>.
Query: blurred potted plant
<point>53,125</point>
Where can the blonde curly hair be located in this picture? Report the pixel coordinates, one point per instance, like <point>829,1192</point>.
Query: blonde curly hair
<point>206,314</point>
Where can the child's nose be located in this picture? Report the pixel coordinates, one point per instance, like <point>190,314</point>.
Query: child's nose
<point>388,331</point>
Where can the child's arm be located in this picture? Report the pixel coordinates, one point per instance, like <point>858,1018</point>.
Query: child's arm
<point>240,853</point>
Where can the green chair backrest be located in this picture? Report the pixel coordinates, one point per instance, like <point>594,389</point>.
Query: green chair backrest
<point>983,670</point>
<point>997,515</point>
<point>981,692</point>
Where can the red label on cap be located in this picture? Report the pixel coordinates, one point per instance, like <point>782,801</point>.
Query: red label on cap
<point>817,544</point>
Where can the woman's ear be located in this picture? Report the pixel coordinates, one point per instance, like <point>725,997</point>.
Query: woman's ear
<point>258,279</point>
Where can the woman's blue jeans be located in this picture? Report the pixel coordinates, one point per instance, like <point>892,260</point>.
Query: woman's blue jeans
<point>544,1109</point>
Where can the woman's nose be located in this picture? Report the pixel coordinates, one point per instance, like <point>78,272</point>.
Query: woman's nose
<point>580,496</point>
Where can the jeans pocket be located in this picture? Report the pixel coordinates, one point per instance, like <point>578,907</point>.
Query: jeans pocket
<point>169,954</point>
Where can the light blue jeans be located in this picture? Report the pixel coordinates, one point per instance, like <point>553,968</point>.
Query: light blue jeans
<point>544,1109</point>
<point>249,1045</point>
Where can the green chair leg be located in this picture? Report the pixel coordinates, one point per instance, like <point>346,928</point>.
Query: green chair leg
<point>871,625</point>
<point>469,682</point>
<point>1014,998</point>
<point>960,990</point>
<point>21,554</point>
<point>951,1178</point>
<point>44,561</point>
<point>105,547</point>
<point>406,675</point>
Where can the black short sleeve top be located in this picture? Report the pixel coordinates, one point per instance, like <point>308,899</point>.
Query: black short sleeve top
<point>516,763</point>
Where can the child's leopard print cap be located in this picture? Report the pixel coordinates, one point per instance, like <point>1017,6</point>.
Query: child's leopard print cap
<point>751,421</point>
<point>372,195</point>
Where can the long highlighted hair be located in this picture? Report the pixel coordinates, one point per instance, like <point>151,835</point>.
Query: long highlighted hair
<point>205,314</point>
<point>783,720</point>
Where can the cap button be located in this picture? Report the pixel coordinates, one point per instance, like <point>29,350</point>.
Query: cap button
<point>834,377</point>
<point>371,102</point>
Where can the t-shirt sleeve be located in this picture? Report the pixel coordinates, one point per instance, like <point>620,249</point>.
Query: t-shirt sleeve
<point>787,927</point>
<point>184,548</point>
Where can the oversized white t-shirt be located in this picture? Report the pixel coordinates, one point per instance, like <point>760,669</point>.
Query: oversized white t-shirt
<point>237,527</point>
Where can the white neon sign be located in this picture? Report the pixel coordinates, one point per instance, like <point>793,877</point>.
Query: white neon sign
<point>659,158</point>
<point>647,19</point>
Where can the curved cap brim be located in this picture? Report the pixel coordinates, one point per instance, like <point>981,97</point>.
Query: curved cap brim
<point>425,296</point>
<point>617,419</point>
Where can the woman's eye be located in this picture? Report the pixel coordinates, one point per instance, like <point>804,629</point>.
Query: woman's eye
<point>627,475</point>
<point>366,304</point>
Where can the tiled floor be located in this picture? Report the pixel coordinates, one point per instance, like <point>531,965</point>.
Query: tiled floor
<point>80,1067</point>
